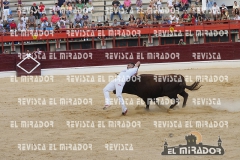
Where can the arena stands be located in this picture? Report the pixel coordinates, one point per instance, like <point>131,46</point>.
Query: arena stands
<point>49,15</point>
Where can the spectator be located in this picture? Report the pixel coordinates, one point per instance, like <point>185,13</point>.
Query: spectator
<point>132,23</point>
<point>27,27</point>
<point>21,25</point>
<point>90,7</point>
<point>62,25</point>
<point>193,19</point>
<point>237,17</point>
<point>116,2</point>
<point>99,24</point>
<point>131,17</point>
<point>122,23</point>
<point>85,25</point>
<point>158,4</point>
<point>71,26</point>
<point>44,18</point>
<point>85,18</point>
<point>149,12</point>
<point>93,25</point>
<point>185,16</point>
<point>19,11</point>
<point>154,21</point>
<point>5,9</point>
<point>225,15</point>
<point>177,18</point>
<point>170,4</point>
<point>215,11</point>
<point>106,24</point>
<point>63,19</point>
<point>35,11</point>
<point>177,4</point>
<point>6,25</point>
<point>56,9</point>
<point>209,5</point>
<point>172,18</point>
<point>236,11</point>
<point>181,42</point>
<point>24,19</point>
<point>44,25</point>
<point>41,9</point>
<point>195,14</point>
<point>127,5</point>
<point>77,26</point>
<point>184,4</point>
<point>85,9</point>
<point>158,16</point>
<point>223,7</point>
<point>64,8</point>
<point>13,25</point>
<point>138,4</point>
<point>55,18</point>
<point>115,11</point>
<point>56,27</point>
<point>32,20</point>
<point>69,9</point>
<point>49,27</point>
<point>85,1</point>
<point>20,2</point>
<point>60,3</point>
<point>138,21</point>
<point>2,30</point>
<point>141,13</point>
<point>235,7</point>
<point>115,23</point>
<point>78,19</point>
<point>39,27</point>
<point>80,6</point>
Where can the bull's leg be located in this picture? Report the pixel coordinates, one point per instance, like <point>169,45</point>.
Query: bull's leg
<point>185,97</point>
<point>147,102</point>
<point>175,102</point>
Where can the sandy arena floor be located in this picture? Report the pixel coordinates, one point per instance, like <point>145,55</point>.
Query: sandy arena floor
<point>147,140</point>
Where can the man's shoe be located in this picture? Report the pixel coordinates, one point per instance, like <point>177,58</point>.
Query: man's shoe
<point>106,107</point>
<point>124,113</point>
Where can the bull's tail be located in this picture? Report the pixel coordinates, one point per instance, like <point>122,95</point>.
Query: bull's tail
<point>194,86</point>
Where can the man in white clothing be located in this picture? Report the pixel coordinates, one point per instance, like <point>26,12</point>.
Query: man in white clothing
<point>118,84</point>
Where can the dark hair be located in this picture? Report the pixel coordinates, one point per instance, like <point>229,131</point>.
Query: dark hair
<point>132,64</point>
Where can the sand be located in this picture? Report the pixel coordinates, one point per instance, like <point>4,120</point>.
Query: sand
<point>146,140</point>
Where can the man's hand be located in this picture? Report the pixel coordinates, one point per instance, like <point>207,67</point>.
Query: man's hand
<point>137,64</point>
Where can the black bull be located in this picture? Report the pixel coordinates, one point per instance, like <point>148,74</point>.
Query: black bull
<point>149,87</point>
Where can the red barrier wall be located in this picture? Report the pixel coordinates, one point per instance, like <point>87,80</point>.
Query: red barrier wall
<point>117,56</point>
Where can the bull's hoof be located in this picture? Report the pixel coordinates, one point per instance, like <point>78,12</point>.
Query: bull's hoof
<point>147,109</point>
<point>169,110</point>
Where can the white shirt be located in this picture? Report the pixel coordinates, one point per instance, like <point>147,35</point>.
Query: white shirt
<point>24,19</point>
<point>237,18</point>
<point>170,3</point>
<point>234,7</point>
<point>215,10</point>
<point>23,25</point>
<point>125,75</point>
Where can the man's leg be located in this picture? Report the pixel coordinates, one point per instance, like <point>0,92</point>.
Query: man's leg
<point>109,87</point>
<point>119,88</point>
<point>120,17</point>
<point>112,16</point>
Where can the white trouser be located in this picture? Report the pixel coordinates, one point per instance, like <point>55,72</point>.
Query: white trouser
<point>5,13</point>
<point>113,85</point>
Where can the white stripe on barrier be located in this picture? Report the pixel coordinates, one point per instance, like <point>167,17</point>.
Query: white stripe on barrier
<point>144,67</point>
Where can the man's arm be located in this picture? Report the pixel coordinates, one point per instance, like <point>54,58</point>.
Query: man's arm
<point>137,64</point>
